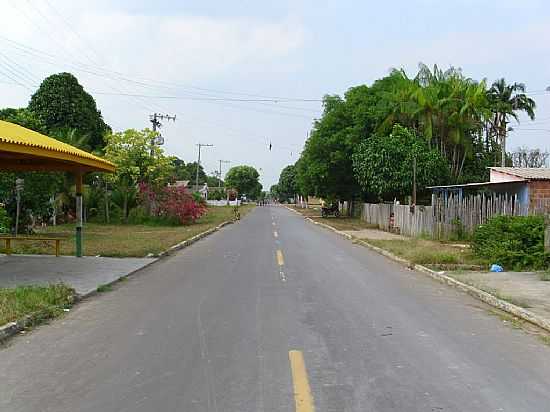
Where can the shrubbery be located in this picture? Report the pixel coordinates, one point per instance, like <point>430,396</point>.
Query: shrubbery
<point>514,242</point>
<point>172,204</point>
<point>5,221</point>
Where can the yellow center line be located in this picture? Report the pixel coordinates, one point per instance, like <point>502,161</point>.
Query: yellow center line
<point>275,234</point>
<point>280,259</point>
<point>302,391</point>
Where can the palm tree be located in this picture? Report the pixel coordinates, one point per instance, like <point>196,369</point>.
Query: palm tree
<point>74,138</point>
<point>507,101</point>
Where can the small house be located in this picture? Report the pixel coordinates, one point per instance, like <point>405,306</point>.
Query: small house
<point>529,186</point>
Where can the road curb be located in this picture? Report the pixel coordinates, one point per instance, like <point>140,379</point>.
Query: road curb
<point>447,280</point>
<point>13,328</point>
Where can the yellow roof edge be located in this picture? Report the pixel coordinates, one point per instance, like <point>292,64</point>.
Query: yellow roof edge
<point>18,139</point>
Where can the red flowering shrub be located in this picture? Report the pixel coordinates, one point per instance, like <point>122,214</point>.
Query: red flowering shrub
<point>173,202</point>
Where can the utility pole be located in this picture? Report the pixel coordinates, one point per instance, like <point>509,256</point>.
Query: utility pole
<point>220,175</point>
<point>155,121</point>
<point>200,145</point>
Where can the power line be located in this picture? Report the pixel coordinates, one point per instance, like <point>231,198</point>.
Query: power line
<point>123,76</point>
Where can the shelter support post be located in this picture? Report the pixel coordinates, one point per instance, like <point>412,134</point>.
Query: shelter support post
<point>78,178</point>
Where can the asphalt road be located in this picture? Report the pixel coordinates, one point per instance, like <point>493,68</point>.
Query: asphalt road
<point>253,320</point>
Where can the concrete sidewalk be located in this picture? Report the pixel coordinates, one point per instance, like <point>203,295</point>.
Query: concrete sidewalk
<point>524,289</point>
<point>83,274</point>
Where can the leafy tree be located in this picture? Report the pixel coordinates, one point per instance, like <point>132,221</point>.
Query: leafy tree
<point>23,117</point>
<point>287,187</point>
<point>506,102</point>
<point>130,152</point>
<point>274,191</point>
<point>74,138</point>
<point>188,171</point>
<point>213,181</point>
<point>245,179</point>
<point>325,167</point>
<point>383,165</point>
<point>62,103</point>
<point>5,221</point>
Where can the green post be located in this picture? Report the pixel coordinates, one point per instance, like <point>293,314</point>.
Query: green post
<point>79,214</point>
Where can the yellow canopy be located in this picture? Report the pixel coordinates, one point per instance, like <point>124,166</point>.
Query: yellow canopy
<point>24,149</point>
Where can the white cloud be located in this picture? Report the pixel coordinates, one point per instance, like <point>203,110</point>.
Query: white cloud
<point>189,47</point>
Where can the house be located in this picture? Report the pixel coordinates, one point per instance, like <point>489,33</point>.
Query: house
<point>530,186</point>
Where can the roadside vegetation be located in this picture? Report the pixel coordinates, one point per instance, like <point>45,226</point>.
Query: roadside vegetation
<point>432,253</point>
<point>40,302</point>
<point>131,240</point>
<point>514,242</point>
<point>345,223</point>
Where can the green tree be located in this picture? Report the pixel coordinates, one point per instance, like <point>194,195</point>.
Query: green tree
<point>287,187</point>
<point>23,117</point>
<point>325,167</point>
<point>130,152</point>
<point>39,187</point>
<point>383,165</point>
<point>274,191</point>
<point>62,103</point>
<point>245,179</point>
<point>506,102</point>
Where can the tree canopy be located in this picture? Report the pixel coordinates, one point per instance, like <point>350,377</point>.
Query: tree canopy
<point>245,179</point>
<point>383,165</point>
<point>62,103</point>
<point>287,187</point>
<point>130,151</point>
<point>461,119</point>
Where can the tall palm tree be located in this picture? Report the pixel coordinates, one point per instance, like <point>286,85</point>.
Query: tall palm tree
<point>506,102</point>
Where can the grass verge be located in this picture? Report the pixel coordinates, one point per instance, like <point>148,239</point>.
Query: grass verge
<point>119,240</point>
<point>45,302</point>
<point>339,223</point>
<point>429,252</point>
<point>346,223</point>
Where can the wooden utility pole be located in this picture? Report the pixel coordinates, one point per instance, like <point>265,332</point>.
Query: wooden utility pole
<point>200,145</point>
<point>220,175</point>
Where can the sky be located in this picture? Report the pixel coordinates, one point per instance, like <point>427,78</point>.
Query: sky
<point>242,75</point>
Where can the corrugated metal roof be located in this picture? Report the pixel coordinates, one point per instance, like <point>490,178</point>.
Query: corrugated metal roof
<point>533,173</point>
<point>11,133</point>
<point>467,185</point>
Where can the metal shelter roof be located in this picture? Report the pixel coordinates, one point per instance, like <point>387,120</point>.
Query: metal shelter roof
<point>24,149</point>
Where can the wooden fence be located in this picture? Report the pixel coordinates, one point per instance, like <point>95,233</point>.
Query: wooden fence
<point>448,216</point>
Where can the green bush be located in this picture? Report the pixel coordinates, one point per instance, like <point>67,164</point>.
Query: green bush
<point>514,242</point>
<point>5,221</point>
<point>139,216</point>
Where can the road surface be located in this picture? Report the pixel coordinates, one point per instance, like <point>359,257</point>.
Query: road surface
<point>276,314</point>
